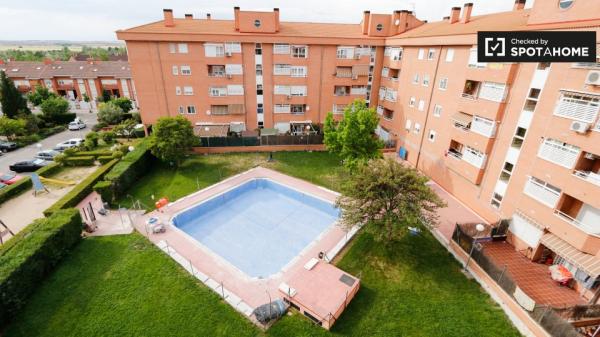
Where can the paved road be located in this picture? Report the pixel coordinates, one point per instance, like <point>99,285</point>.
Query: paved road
<point>28,152</point>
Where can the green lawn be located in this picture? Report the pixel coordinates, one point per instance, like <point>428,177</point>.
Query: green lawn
<point>123,286</point>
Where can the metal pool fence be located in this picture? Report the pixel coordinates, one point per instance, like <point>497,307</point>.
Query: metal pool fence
<point>261,140</point>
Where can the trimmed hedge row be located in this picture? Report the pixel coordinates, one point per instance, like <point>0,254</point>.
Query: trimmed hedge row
<point>131,167</point>
<point>11,191</point>
<point>79,161</point>
<point>104,188</point>
<point>31,255</point>
<point>105,159</point>
<point>94,153</point>
<point>80,191</point>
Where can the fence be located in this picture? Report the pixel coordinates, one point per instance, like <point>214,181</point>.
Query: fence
<point>261,140</point>
<point>545,316</point>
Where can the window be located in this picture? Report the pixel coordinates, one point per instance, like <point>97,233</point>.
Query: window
<point>578,106</point>
<point>431,54</point>
<point>256,23</point>
<point>493,91</point>
<point>186,70</point>
<point>298,90</point>
<point>214,50</point>
<point>379,27</point>
<point>421,106</point>
<point>299,51</point>
<point>385,72</point>
<point>387,51</point>
<point>259,70</point>
<point>416,79</point>
<point>279,48</point>
<point>235,90</point>
<point>188,91</point>
<point>182,48</point>
<point>191,109</point>
<point>411,102</point>
<point>431,137</point>
<point>181,109</point>
<point>396,54</point>
<point>260,108</point>
<point>408,125</point>
<point>297,109</point>
<point>282,69</point>
<point>421,53</point>
<point>449,54</point>
<point>298,71</point>
<point>443,83</point>
<point>473,59</point>
<point>233,47</point>
<point>281,108</point>
<point>345,52</point>
<point>233,69</point>
<point>175,70</point>
<point>219,110</point>
<point>437,110</point>
<point>178,91</point>
<point>216,70</point>
<point>258,49</point>
<point>172,48</point>
<point>259,89</point>
<point>281,90</point>
<point>417,128</point>
<point>425,80</point>
<point>565,4</point>
<point>217,91</point>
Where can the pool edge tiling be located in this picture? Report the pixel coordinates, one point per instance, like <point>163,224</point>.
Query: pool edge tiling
<point>237,288</point>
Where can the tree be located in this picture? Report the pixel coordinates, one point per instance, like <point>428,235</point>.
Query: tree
<point>124,103</point>
<point>39,95</point>
<point>109,113</point>
<point>91,140</point>
<point>126,128</point>
<point>54,109</point>
<point>11,127</point>
<point>173,137</point>
<point>353,138</point>
<point>108,137</point>
<point>12,101</point>
<point>387,198</point>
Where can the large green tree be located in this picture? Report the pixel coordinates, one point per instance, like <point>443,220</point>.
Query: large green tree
<point>11,127</point>
<point>12,101</point>
<point>124,103</point>
<point>353,137</point>
<point>54,108</point>
<point>39,95</point>
<point>109,113</point>
<point>387,198</point>
<point>172,138</point>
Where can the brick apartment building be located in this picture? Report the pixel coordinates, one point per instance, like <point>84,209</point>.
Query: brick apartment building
<point>517,141</point>
<point>73,79</point>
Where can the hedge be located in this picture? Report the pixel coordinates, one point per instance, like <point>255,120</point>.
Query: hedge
<point>105,159</point>
<point>31,255</point>
<point>11,191</point>
<point>79,161</point>
<point>104,189</point>
<point>95,153</point>
<point>80,191</point>
<point>131,167</point>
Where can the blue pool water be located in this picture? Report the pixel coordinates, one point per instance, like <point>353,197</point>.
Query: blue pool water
<point>258,226</point>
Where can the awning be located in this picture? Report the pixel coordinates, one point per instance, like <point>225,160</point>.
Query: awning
<point>586,262</point>
<point>211,130</point>
<point>360,70</point>
<point>236,109</point>
<point>237,127</point>
<point>462,118</point>
<point>343,72</point>
<point>269,131</point>
<point>301,122</point>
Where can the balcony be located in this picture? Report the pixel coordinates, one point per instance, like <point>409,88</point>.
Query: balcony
<point>216,70</point>
<point>588,168</point>
<point>559,152</point>
<point>579,214</point>
<point>461,161</point>
<point>542,191</point>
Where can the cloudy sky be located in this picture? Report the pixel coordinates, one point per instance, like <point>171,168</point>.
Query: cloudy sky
<point>88,20</point>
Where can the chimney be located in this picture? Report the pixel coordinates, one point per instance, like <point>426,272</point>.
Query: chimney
<point>396,21</point>
<point>168,14</point>
<point>236,15</point>
<point>446,18</point>
<point>403,21</point>
<point>276,11</point>
<point>454,14</point>
<point>365,23</point>
<point>466,15</point>
<point>189,16</point>
<point>208,16</point>
<point>519,4</point>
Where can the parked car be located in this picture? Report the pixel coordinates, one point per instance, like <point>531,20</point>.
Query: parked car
<point>9,178</point>
<point>47,155</point>
<point>7,146</point>
<point>76,125</point>
<point>28,165</point>
<point>73,142</point>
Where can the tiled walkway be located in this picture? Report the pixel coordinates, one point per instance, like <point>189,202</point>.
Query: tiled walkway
<point>531,277</point>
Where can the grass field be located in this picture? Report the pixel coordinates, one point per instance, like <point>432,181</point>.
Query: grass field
<point>124,286</point>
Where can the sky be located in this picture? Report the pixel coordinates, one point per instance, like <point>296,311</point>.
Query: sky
<point>97,20</point>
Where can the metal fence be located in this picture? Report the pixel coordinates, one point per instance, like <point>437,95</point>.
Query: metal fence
<point>546,316</point>
<point>261,140</point>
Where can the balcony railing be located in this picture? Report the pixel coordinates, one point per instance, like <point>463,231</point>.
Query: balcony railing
<point>468,96</point>
<point>584,227</point>
<point>455,154</point>
<point>591,177</point>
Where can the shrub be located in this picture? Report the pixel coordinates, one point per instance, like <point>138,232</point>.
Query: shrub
<point>130,168</point>
<point>49,169</point>
<point>80,191</point>
<point>104,189</point>
<point>124,103</point>
<point>95,153</point>
<point>26,140</point>
<point>91,140</point>
<point>105,159</point>
<point>99,126</point>
<point>118,154</point>
<point>31,255</point>
<point>79,161</point>
<point>109,113</point>
<point>11,191</point>
<point>54,110</point>
<point>108,137</point>
<point>46,132</point>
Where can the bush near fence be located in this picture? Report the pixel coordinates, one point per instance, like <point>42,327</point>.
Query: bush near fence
<point>80,191</point>
<point>131,167</point>
<point>79,161</point>
<point>31,255</point>
<point>261,140</point>
<point>11,191</point>
<point>94,153</point>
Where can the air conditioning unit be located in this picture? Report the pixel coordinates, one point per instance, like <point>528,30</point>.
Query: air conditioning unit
<point>580,127</point>
<point>228,54</point>
<point>593,77</point>
<point>229,76</point>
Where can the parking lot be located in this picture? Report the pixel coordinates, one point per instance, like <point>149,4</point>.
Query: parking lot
<point>28,152</point>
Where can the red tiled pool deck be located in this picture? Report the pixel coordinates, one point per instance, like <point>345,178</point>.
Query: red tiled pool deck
<point>241,291</point>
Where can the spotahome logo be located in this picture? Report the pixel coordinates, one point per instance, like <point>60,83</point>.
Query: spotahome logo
<point>536,46</point>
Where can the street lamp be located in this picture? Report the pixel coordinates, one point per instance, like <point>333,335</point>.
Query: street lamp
<point>479,227</point>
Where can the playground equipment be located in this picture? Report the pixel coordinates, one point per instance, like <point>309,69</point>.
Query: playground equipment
<point>58,182</point>
<point>4,231</point>
<point>37,184</point>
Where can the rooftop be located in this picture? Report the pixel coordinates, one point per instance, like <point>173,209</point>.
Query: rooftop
<point>72,69</point>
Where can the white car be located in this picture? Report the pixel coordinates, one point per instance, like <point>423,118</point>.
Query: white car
<point>73,142</point>
<point>76,125</point>
<point>47,155</point>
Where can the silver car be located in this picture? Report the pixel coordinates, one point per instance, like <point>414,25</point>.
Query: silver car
<point>47,155</point>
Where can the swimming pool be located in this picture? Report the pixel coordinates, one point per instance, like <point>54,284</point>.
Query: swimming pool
<point>258,226</point>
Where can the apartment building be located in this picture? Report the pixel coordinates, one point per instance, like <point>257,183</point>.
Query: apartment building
<point>73,79</point>
<point>517,141</point>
